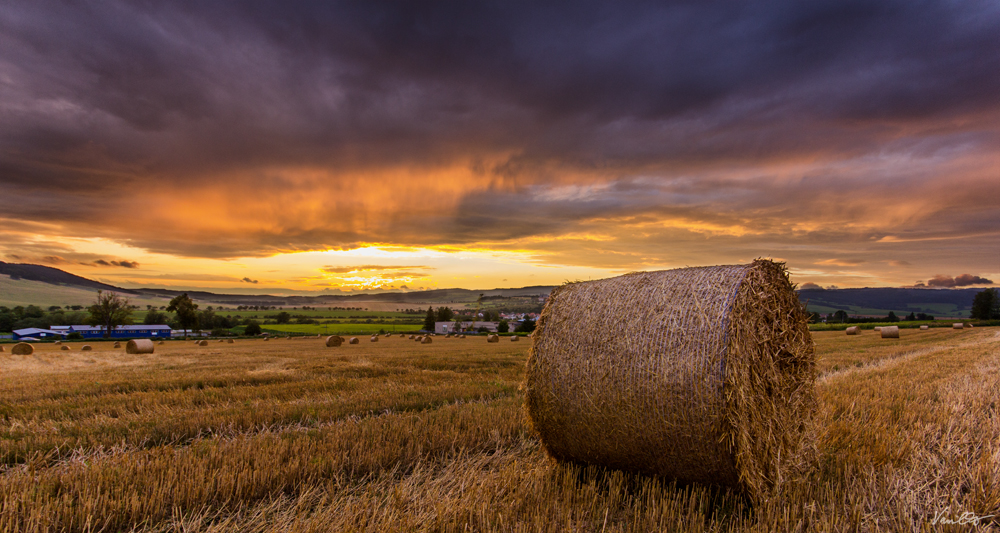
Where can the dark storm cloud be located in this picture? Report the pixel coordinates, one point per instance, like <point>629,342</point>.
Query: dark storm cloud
<point>963,280</point>
<point>248,280</point>
<point>105,102</point>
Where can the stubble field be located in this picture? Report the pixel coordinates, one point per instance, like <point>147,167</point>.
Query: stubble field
<point>288,435</point>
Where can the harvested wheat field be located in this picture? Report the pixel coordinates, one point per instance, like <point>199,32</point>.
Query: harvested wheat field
<point>403,436</point>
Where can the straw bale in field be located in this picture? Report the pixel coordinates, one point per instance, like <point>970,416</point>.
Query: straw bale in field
<point>402,335</point>
<point>267,338</point>
<point>412,337</point>
<point>136,346</point>
<point>698,374</point>
<point>117,345</point>
<point>203,343</point>
<point>354,340</point>
<point>972,325</point>
<point>493,338</point>
<point>890,332</point>
<point>334,340</point>
<point>877,328</point>
<point>22,348</point>
<point>85,348</point>
<point>64,347</point>
<point>2,349</point>
<point>925,327</point>
<point>426,340</point>
<point>461,336</point>
<point>161,342</point>
<point>957,325</point>
<point>853,330</point>
<point>514,338</point>
<point>374,338</point>
<point>221,340</point>
<point>58,342</point>
<point>231,341</point>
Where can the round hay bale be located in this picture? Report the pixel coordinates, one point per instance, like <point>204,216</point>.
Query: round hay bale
<point>354,340</point>
<point>117,344</point>
<point>230,341</point>
<point>221,340</point>
<point>890,332</point>
<point>493,338</point>
<point>925,327</point>
<point>402,335</point>
<point>22,348</point>
<point>203,343</point>
<point>698,374</point>
<point>853,330</point>
<point>461,336</point>
<point>958,325</point>
<point>877,328</point>
<point>64,348</point>
<point>161,342</point>
<point>412,337</point>
<point>426,340</point>
<point>514,338</point>
<point>2,349</point>
<point>972,325</point>
<point>58,343</point>
<point>136,346</point>
<point>374,338</point>
<point>85,348</point>
<point>334,340</point>
<point>267,338</point>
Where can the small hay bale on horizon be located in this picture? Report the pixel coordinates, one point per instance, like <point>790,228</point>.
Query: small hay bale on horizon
<point>64,347</point>
<point>426,340</point>
<point>161,342</point>
<point>412,337</point>
<point>515,338</point>
<point>958,325</point>
<point>86,348</point>
<point>853,330</point>
<point>493,338</point>
<point>354,340</point>
<point>58,343</point>
<point>231,341</point>
<point>334,341</point>
<point>138,346</point>
<point>877,328</point>
<point>203,343</point>
<point>117,344</point>
<point>702,375</point>
<point>925,327</point>
<point>374,338</point>
<point>22,348</point>
<point>890,332</point>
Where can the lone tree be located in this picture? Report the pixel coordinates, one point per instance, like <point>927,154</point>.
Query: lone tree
<point>986,305</point>
<point>187,312</point>
<point>109,311</point>
<point>429,319</point>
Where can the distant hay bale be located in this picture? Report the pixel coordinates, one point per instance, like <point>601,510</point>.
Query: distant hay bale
<point>426,340</point>
<point>514,338</point>
<point>137,346</point>
<point>203,343</point>
<point>972,325</point>
<point>461,336</point>
<point>161,342</point>
<point>334,340</point>
<point>853,330</point>
<point>374,338</point>
<point>890,332</point>
<point>64,348</point>
<point>958,325</point>
<point>493,338</point>
<point>22,348</point>
<point>231,341</point>
<point>221,340</point>
<point>2,349</point>
<point>58,342</point>
<point>419,338</point>
<point>354,340</point>
<point>267,338</point>
<point>412,337</point>
<point>117,344</point>
<point>402,335</point>
<point>699,374</point>
<point>877,328</point>
<point>925,327</point>
<point>85,348</point>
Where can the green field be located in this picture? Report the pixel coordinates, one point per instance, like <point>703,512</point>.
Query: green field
<point>937,310</point>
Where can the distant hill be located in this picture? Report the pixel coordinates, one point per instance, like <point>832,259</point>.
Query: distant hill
<point>944,303</point>
<point>415,297</point>
<point>53,276</point>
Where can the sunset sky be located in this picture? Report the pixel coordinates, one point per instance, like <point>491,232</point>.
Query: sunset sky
<point>311,146</point>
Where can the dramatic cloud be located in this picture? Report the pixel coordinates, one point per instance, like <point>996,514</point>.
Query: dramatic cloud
<point>123,263</point>
<point>963,280</point>
<point>837,135</point>
<point>248,280</point>
<point>368,268</point>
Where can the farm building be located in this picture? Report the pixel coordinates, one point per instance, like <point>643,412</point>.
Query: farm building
<point>97,332</point>
<point>35,334</point>
<point>450,327</point>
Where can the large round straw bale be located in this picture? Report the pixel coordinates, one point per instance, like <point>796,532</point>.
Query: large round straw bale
<point>699,374</point>
<point>957,325</point>
<point>203,343</point>
<point>85,348</point>
<point>514,338</point>
<point>64,348</point>
<point>354,340</point>
<point>334,340</point>
<point>139,346</point>
<point>493,338</point>
<point>925,327</point>
<point>853,330</point>
<point>890,332</point>
<point>374,338</point>
<point>426,340</point>
<point>22,348</point>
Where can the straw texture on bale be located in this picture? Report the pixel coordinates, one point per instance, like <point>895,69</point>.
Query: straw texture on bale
<point>925,327</point>
<point>85,348</point>
<point>139,346</point>
<point>426,340</point>
<point>64,347</point>
<point>890,332</point>
<point>493,338</point>
<point>853,330</point>
<point>514,338</point>
<point>698,374</point>
<point>334,340</point>
<point>354,340</point>
<point>958,325</point>
<point>203,343</point>
<point>22,348</point>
